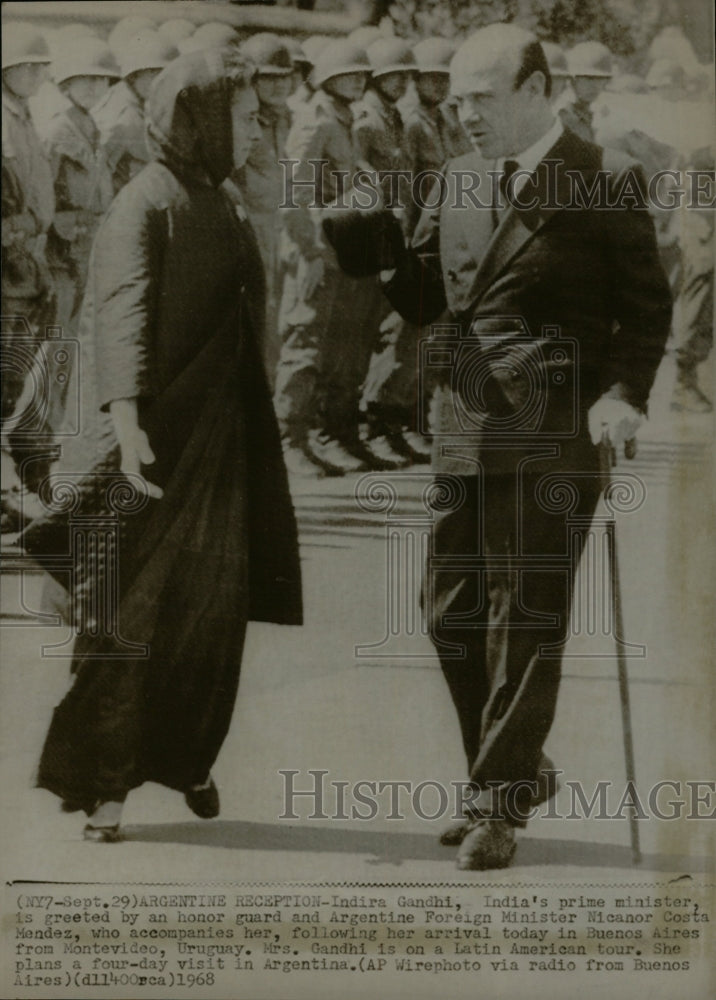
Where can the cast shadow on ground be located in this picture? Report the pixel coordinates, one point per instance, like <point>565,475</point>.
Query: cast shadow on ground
<point>393,848</point>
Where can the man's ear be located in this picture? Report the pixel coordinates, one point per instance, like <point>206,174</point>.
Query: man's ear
<point>536,83</point>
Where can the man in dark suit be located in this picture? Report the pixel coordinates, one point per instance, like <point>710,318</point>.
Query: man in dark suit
<point>559,315</point>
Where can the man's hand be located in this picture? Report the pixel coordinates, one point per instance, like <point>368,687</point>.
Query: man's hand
<point>133,443</point>
<point>616,418</point>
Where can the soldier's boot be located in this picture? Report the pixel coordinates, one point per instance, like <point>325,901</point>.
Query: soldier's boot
<point>383,455</point>
<point>412,444</point>
<point>382,444</point>
<point>331,453</point>
<point>300,462</point>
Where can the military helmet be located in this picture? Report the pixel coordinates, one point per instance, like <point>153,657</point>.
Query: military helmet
<point>590,59</point>
<point>149,51</point>
<point>390,55</point>
<point>176,29</point>
<point>84,57</point>
<point>313,45</point>
<point>211,35</point>
<point>126,31</point>
<point>433,55</point>
<point>337,59</point>
<point>296,51</point>
<point>60,38</point>
<point>364,36</point>
<point>666,73</point>
<point>268,53</point>
<point>22,43</point>
<point>556,60</point>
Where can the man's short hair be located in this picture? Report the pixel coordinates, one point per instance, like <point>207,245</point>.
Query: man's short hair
<point>533,61</point>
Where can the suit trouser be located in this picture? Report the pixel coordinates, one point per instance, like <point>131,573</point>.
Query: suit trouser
<point>498,589</point>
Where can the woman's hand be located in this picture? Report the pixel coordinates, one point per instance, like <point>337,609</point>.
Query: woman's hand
<point>133,443</point>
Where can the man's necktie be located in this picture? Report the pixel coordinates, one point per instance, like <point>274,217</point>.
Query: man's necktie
<point>508,169</point>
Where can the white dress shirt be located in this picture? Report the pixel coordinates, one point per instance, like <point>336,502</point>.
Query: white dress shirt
<point>529,158</point>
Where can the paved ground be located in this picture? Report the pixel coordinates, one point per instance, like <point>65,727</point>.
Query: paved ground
<point>309,699</point>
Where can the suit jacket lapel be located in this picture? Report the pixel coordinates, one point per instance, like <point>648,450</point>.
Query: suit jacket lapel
<point>476,224</point>
<point>518,226</point>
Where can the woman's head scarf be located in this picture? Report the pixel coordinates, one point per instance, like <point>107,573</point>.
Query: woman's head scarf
<point>189,114</point>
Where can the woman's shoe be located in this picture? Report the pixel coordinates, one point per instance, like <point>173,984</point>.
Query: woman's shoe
<point>203,801</point>
<point>103,834</point>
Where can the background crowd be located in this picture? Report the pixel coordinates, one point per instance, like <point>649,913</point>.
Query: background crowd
<point>343,368</point>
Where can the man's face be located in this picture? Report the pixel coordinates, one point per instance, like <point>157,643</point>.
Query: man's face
<point>274,89</point>
<point>588,88</point>
<point>348,86</point>
<point>433,88</point>
<point>393,85</point>
<point>245,127</point>
<point>86,91</point>
<point>490,110</point>
<point>25,80</point>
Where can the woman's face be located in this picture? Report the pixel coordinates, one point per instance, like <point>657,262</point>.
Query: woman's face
<point>86,91</point>
<point>274,90</point>
<point>245,127</point>
<point>26,79</point>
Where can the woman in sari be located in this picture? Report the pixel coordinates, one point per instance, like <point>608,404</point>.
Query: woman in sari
<point>180,455</point>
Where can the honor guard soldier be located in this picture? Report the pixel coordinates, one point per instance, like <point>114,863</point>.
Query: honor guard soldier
<point>302,65</point>
<point>304,92</point>
<point>590,66</point>
<point>390,397</point>
<point>28,207</point>
<point>261,180</point>
<point>120,116</point>
<point>380,135</point>
<point>28,197</point>
<point>562,92</point>
<point>316,395</point>
<point>83,72</point>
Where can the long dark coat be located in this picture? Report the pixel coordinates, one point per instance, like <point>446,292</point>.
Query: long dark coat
<point>173,309</point>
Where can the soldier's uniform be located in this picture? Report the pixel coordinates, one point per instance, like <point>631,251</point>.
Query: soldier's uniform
<point>431,136</point>
<point>82,178</point>
<point>316,397</point>
<point>28,206</point>
<point>310,49</point>
<point>83,193</point>
<point>120,115</point>
<point>590,67</point>
<point>261,183</point>
<point>381,139</point>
